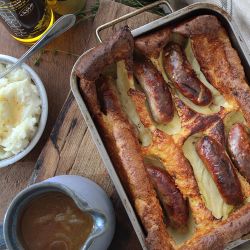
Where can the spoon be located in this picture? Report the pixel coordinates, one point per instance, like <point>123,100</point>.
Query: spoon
<point>60,26</point>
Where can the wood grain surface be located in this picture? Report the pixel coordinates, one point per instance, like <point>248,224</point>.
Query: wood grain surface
<point>69,149</point>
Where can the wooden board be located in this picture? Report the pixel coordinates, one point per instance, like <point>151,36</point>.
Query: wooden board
<point>70,149</point>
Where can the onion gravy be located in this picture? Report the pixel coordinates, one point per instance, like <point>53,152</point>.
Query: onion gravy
<point>53,221</point>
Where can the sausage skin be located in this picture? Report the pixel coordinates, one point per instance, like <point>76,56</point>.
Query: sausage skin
<point>152,44</point>
<point>183,76</point>
<point>221,168</point>
<point>156,89</point>
<point>239,149</point>
<point>175,206</point>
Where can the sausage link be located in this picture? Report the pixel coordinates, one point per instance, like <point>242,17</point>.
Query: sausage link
<point>156,89</point>
<point>221,168</point>
<point>239,149</point>
<point>152,44</point>
<point>171,198</point>
<point>183,76</point>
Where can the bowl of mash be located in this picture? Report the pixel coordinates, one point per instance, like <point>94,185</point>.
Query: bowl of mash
<point>23,111</point>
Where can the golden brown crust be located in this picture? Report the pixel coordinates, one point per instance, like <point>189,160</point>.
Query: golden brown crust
<point>186,114</point>
<point>117,48</point>
<point>131,165</point>
<point>89,92</point>
<point>210,42</point>
<point>218,237</point>
<point>194,122</point>
<point>217,132</point>
<point>175,163</point>
<point>226,74</point>
<point>164,148</point>
<point>144,197</point>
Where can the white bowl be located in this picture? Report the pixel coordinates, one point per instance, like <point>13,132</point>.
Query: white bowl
<point>44,111</point>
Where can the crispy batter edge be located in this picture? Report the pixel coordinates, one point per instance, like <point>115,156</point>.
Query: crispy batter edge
<point>121,142</point>
<point>118,135</point>
<point>218,237</point>
<point>238,223</point>
<point>118,47</point>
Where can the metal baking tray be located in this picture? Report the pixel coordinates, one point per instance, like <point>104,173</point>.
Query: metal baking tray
<point>175,17</point>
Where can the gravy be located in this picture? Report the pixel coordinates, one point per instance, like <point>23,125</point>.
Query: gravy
<point>52,221</point>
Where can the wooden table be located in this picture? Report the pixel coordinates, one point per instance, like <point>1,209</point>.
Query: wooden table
<point>54,70</point>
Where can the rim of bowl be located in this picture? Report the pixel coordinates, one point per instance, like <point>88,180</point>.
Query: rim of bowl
<point>43,117</point>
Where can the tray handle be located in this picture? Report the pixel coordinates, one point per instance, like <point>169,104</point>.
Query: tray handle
<point>133,13</point>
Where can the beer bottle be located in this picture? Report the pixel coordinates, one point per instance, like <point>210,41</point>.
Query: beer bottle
<point>26,20</point>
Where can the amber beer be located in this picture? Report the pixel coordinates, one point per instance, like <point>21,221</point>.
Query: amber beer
<point>26,20</point>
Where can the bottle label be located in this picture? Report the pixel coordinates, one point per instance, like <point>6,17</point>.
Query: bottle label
<point>25,18</point>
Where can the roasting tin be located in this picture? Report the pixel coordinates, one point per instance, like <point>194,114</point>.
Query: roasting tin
<point>175,17</point>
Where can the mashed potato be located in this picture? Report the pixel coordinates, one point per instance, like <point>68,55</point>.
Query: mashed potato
<point>20,110</point>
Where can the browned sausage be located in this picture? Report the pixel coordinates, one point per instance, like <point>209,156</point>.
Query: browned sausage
<point>239,148</point>
<point>156,89</point>
<point>152,44</point>
<point>221,168</point>
<point>171,198</point>
<point>183,76</point>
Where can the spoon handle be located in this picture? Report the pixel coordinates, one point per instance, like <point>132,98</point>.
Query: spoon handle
<point>60,26</point>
